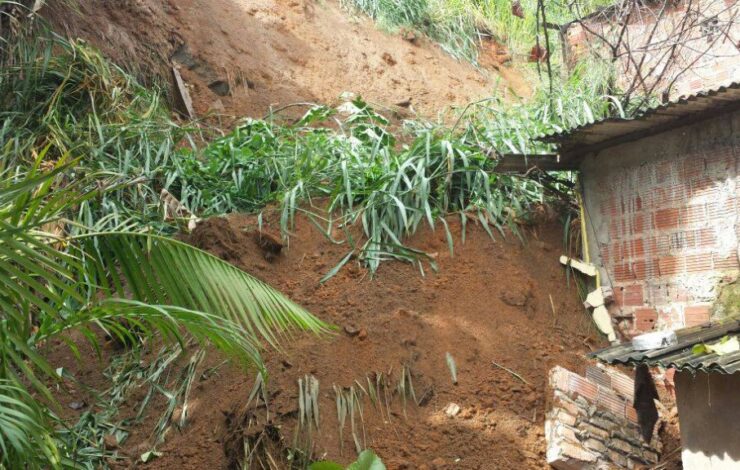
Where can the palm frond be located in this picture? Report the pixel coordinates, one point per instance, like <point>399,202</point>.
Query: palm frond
<point>24,429</point>
<point>162,271</point>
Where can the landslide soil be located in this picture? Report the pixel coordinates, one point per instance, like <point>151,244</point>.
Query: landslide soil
<point>241,58</point>
<point>496,301</point>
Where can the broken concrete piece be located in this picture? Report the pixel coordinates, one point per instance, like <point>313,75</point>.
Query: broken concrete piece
<point>586,268</point>
<point>594,299</point>
<point>604,322</point>
<point>183,102</point>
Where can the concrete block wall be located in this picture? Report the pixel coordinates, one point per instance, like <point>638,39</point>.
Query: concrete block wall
<point>592,424</point>
<point>706,59</point>
<point>662,215</point>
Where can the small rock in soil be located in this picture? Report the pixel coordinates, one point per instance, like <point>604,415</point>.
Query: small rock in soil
<point>362,335</point>
<point>77,405</point>
<point>351,331</point>
<point>439,462</point>
<point>516,299</point>
<point>452,410</point>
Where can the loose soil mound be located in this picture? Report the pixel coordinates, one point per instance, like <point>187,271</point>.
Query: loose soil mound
<point>494,301</point>
<point>240,58</point>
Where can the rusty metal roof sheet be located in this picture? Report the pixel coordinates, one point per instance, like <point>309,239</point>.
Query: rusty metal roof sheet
<point>574,143</point>
<point>681,355</point>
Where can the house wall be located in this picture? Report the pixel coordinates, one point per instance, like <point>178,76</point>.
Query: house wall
<point>662,222</point>
<point>709,417</point>
<point>705,58</point>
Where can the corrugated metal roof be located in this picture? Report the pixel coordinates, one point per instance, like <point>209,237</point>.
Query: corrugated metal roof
<point>575,143</point>
<point>681,355</point>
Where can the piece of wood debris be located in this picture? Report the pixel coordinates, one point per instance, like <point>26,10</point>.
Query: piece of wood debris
<point>183,100</point>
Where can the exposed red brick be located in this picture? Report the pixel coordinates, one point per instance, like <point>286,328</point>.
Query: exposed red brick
<point>696,315</point>
<point>725,262</point>
<point>698,263</point>
<point>580,386</point>
<point>623,272</point>
<point>666,218</point>
<point>640,223</point>
<point>671,265</point>
<point>694,214</point>
<point>632,295</point>
<point>639,270</point>
<point>702,187</point>
<point>706,237</point>
<point>631,414</point>
<point>635,248</point>
<point>645,319</point>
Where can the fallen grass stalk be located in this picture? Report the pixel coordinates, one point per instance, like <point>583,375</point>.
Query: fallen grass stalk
<point>511,372</point>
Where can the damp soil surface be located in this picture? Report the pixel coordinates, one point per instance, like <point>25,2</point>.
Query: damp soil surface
<point>503,310</point>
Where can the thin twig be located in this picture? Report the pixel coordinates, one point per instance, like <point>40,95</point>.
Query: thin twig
<point>510,372</point>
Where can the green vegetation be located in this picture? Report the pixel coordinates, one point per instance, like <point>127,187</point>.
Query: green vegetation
<point>73,253</point>
<point>367,460</point>
<point>459,25</point>
<point>66,98</point>
<point>85,152</point>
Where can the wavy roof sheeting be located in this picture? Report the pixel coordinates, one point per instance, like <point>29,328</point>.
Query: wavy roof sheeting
<point>574,143</point>
<point>681,355</point>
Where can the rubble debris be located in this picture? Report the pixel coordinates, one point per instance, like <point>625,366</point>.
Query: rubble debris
<point>351,331</point>
<point>654,340</point>
<point>516,299</point>
<point>592,423</point>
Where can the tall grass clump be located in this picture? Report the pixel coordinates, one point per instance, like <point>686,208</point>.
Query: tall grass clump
<point>65,96</point>
<point>459,25</point>
<point>454,29</point>
<point>387,184</point>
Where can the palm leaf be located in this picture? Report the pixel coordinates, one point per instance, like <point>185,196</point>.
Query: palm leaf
<point>162,271</point>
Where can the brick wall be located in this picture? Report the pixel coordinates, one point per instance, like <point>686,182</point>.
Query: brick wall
<point>592,424</point>
<point>662,214</point>
<point>708,55</point>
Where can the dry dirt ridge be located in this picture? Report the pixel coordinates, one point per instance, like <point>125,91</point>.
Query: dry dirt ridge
<point>243,57</point>
<point>489,303</point>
